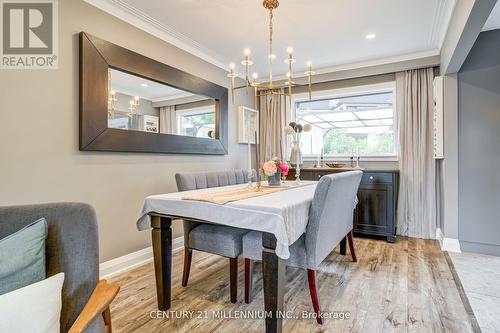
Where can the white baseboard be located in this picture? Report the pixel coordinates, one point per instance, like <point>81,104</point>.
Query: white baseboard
<point>439,236</point>
<point>120,265</point>
<point>451,245</point>
<point>447,244</point>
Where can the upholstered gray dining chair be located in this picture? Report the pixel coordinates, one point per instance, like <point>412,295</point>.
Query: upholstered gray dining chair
<point>71,247</point>
<point>330,220</point>
<point>221,240</point>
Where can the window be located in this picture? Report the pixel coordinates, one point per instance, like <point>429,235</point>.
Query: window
<point>198,122</point>
<point>348,124</point>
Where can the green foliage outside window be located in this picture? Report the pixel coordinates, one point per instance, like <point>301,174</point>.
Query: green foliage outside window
<point>338,142</point>
<point>201,119</point>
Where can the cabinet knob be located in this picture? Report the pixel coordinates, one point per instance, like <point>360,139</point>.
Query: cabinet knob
<point>371,177</point>
<point>319,176</point>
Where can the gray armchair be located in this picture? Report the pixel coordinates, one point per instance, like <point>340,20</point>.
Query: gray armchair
<point>71,247</point>
<point>330,220</point>
<point>221,240</point>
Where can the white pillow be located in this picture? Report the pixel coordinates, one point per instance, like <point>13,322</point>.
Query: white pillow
<point>33,309</point>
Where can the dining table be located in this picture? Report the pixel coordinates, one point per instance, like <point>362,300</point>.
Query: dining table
<point>281,216</point>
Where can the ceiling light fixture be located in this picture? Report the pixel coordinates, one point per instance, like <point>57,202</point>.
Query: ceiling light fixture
<point>370,36</point>
<point>270,88</point>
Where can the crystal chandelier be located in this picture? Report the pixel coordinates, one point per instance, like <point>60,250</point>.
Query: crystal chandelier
<point>282,89</point>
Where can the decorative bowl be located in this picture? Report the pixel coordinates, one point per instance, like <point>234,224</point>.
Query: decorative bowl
<point>336,165</point>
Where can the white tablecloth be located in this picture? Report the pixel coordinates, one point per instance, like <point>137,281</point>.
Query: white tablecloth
<point>284,214</point>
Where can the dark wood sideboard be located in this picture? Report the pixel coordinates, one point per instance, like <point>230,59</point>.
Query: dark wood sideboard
<point>375,214</point>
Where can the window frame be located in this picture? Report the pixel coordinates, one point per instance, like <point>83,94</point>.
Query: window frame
<point>191,112</point>
<point>347,92</point>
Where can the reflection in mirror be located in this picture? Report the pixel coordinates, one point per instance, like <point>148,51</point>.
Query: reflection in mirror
<point>139,104</point>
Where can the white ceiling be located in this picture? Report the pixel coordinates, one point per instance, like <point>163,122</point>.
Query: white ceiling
<point>493,21</point>
<point>134,86</point>
<point>326,32</point>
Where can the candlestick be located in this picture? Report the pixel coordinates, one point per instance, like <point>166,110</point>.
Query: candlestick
<point>257,160</point>
<point>248,142</point>
<point>249,152</point>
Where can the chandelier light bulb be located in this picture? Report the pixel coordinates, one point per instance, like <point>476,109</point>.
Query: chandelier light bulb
<point>309,64</point>
<point>288,74</point>
<point>232,66</point>
<point>247,52</point>
<point>136,98</point>
<point>289,50</point>
<point>255,76</point>
<point>272,56</point>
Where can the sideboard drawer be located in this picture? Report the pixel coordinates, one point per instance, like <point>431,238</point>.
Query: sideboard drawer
<point>377,178</point>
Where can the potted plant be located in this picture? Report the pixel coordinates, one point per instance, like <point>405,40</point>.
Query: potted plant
<point>274,169</point>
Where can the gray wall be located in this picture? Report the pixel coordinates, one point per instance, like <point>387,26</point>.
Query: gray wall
<point>145,106</point>
<point>479,146</point>
<point>39,157</point>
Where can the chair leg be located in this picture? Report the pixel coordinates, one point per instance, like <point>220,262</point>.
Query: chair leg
<point>311,277</point>
<point>188,254</point>
<point>351,246</point>
<point>248,280</point>
<point>233,278</point>
<point>106,316</point>
<point>342,246</point>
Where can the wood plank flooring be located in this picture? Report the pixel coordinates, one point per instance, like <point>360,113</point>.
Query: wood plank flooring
<point>402,287</point>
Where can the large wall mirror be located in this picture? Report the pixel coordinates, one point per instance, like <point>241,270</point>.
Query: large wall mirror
<point>131,103</point>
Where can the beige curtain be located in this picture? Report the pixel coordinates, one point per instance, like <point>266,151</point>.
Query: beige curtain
<point>272,125</point>
<point>414,103</point>
<point>168,120</point>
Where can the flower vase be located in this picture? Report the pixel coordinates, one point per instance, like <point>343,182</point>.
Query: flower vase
<point>296,154</point>
<point>274,180</point>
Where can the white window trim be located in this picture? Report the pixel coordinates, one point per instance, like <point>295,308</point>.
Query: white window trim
<point>344,92</point>
<point>192,112</point>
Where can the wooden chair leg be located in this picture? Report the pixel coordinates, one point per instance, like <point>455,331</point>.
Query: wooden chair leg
<point>188,254</point>
<point>311,277</point>
<point>248,280</point>
<point>351,246</point>
<point>233,278</point>
<point>106,316</point>
<point>342,247</point>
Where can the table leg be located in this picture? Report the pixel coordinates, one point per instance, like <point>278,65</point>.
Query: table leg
<point>273,269</point>
<point>342,247</point>
<point>162,253</point>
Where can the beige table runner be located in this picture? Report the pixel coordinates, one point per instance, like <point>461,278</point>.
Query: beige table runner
<point>222,198</point>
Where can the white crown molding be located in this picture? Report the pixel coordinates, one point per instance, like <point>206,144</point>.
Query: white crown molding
<point>436,23</point>
<point>365,64</point>
<point>440,22</point>
<point>133,260</point>
<point>172,97</point>
<point>139,19</point>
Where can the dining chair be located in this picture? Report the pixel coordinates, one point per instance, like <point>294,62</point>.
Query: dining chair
<point>216,239</point>
<point>330,220</point>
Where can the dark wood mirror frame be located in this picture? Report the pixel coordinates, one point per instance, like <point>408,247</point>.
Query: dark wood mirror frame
<point>96,57</point>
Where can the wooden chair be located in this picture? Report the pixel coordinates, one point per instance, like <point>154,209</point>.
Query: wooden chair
<point>330,220</point>
<point>72,247</point>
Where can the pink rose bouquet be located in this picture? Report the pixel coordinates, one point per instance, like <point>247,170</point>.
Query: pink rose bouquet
<point>270,168</point>
<point>275,166</point>
<point>284,168</point>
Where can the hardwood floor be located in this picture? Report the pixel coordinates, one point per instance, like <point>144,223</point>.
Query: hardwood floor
<point>402,287</point>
